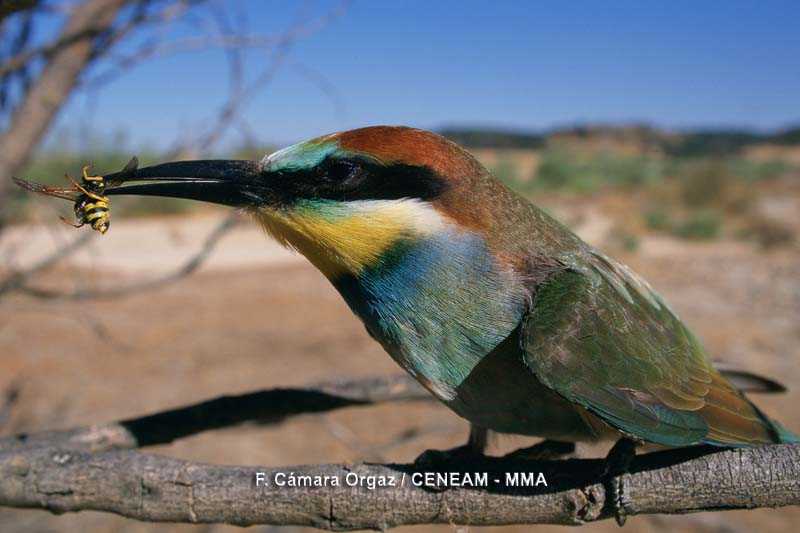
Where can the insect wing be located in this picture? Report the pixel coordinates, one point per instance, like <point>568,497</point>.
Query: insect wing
<point>123,174</point>
<point>132,165</point>
<point>67,193</point>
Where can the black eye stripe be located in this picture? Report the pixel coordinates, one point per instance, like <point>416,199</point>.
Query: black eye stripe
<point>347,180</point>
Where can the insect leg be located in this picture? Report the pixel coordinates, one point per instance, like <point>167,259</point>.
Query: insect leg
<point>80,187</point>
<point>86,177</point>
<point>65,221</point>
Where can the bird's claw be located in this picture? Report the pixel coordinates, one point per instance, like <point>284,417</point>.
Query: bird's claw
<point>619,501</point>
<point>616,465</point>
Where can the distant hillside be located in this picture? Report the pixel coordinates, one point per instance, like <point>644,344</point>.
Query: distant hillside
<point>677,144</point>
<point>479,138</point>
<point>790,136</point>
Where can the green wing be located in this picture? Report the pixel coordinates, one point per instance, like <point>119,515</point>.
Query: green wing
<point>598,335</point>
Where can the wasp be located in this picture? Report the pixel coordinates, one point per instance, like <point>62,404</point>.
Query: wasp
<point>91,205</point>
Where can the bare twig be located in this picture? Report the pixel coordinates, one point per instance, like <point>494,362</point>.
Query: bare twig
<point>9,7</point>
<point>18,61</point>
<point>264,407</point>
<point>154,488</point>
<point>324,85</point>
<point>24,57</point>
<point>240,95</point>
<point>152,50</point>
<point>18,280</point>
<point>185,269</point>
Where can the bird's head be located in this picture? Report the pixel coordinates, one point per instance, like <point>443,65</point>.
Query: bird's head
<point>343,200</point>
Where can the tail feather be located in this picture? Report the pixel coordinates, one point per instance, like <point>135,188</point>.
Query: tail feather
<point>733,420</point>
<point>747,381</point>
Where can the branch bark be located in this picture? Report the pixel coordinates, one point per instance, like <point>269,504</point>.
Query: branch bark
<point>154,488</point>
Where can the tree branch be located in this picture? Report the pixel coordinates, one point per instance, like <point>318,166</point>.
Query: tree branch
<point>154,488</point>
<point>89,469</point>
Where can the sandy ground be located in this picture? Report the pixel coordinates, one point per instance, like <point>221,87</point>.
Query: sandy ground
<point>255,316</point>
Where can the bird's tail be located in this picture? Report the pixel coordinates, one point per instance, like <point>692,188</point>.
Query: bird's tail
<point>747,381</point>
<point>733,420</point>
<point>740,422</point>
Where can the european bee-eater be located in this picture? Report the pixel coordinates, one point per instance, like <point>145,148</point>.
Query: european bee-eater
<point>500,311</point>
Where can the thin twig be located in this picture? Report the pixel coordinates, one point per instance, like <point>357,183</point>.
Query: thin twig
<point>18,280</point>
<point>185,269</point>
<point>239,96</point>
<point>140,17</point>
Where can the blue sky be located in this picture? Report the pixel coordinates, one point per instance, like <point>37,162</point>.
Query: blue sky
<point>522,64</point>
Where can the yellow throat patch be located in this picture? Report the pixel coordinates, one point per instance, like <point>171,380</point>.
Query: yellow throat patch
<point>346,237</point>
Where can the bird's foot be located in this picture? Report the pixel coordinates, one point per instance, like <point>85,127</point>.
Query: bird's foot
<point>438,460</point>
<point>617,464</point>
<point>444,460</point>
<point>546,450</point>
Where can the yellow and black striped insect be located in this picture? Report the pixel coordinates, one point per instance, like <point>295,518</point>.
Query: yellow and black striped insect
<point>91,206</point>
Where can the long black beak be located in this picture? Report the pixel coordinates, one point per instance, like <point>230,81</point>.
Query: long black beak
<point>221,181</point>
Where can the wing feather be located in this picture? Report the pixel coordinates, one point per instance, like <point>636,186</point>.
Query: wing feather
<point>600,336</point>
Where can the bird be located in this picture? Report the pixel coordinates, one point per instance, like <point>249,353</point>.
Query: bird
<point>500,311</point>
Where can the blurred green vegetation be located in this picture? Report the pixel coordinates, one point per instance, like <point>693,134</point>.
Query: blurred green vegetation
<point>561,168</point>
<point>692,197</point>
<point>699,226</point>
<point>658,219</point>
<point>565,169</point>
<point>697,143</point>
<point>506,169</point>
<point>490,138</point>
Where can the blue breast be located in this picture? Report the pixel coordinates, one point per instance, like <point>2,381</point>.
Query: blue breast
<point>437,305</point>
